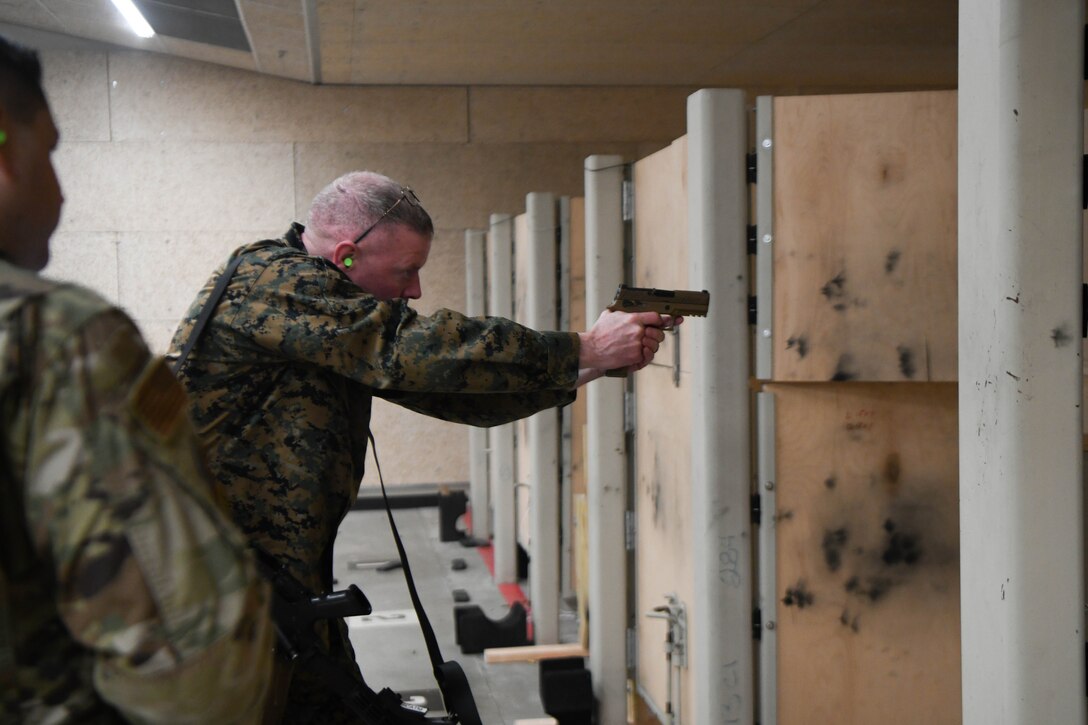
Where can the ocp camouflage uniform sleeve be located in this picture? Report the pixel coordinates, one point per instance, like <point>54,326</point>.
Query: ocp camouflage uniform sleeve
<point>149,573</point>
<point>324,319</point>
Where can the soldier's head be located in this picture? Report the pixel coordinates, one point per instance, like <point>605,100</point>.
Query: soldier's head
<point>373,229</point>
<point>30,195</point>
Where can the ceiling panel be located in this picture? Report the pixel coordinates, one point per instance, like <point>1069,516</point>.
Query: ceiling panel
<point>797,44</point>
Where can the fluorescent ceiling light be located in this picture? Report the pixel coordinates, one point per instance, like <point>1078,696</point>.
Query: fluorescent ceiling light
<point>135,19</point>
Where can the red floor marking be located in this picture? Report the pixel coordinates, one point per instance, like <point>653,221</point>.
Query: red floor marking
<point>510,592</point>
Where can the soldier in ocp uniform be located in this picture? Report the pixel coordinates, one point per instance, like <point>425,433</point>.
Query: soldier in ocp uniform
<point>316,323</point>
<point>125,595</point>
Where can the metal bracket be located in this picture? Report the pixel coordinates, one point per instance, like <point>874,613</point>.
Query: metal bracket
<point>764,194</point>
<point>676,638</point>
<point>628,200</point>
<point>675,356</point>
<point>1084,183</point>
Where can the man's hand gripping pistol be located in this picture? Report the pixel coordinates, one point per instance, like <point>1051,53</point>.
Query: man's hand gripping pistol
<point>677,303</point>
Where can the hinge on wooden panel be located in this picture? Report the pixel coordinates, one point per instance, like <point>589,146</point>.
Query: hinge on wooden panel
<point>757,512</point>
<point>757,624</point>
<point>751,168</point>
<point>751,239</point>
<point>630,530</point>
<point>753,309</point>
<point>1084,183</point>
<point>1084,310</point>
<point>628,199</point>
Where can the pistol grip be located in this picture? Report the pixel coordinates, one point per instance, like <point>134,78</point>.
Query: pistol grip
<point>617,373</point>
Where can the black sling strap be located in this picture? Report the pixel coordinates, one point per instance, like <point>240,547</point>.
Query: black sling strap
<point>206,312</point>
<point>451,679</point>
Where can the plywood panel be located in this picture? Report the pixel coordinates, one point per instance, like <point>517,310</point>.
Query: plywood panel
<point>663,423</point>
<point>865,237</point>
<point>868,553</point>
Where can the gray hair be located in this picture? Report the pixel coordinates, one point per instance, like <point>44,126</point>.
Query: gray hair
<point>347,206</point>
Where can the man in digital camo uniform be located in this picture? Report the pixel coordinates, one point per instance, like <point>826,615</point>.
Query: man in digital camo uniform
<point>311,327</point>
<point>124,594</point>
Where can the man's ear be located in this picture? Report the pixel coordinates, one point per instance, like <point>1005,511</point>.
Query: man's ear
<point>345,254</point>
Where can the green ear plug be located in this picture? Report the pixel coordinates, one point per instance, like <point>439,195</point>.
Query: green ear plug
<point>347,260</point>
<point>3,136</point>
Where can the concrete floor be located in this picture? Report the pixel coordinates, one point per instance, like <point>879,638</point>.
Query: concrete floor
<point>388,644</point>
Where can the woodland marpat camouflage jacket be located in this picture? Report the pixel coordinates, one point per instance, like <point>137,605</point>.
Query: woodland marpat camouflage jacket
<point>282,379</point>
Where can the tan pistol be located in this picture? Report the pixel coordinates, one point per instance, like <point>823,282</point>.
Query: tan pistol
<point>677,303</point>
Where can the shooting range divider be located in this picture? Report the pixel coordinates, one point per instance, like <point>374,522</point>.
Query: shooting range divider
<point>787,470</point>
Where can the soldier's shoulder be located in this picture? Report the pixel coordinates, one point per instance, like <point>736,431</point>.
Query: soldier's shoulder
<point>17,283</point>
<point>63,305</point>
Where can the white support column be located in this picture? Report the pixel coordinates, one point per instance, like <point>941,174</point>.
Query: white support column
<point>1020,219</point>
<point>500,303</point>
<point>606,462</point>
<point>543,429</point>
<point>721,618</point>
<point>566,419</point>
<point>475,306</point>
<point>767,561</point>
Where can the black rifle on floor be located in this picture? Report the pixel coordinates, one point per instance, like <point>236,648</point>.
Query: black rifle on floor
<point>295,611</point>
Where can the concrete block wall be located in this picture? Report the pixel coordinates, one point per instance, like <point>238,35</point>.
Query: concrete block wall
<point>169,164</point>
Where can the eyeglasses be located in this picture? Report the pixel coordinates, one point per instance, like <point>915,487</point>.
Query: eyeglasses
<point>405,194</point>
